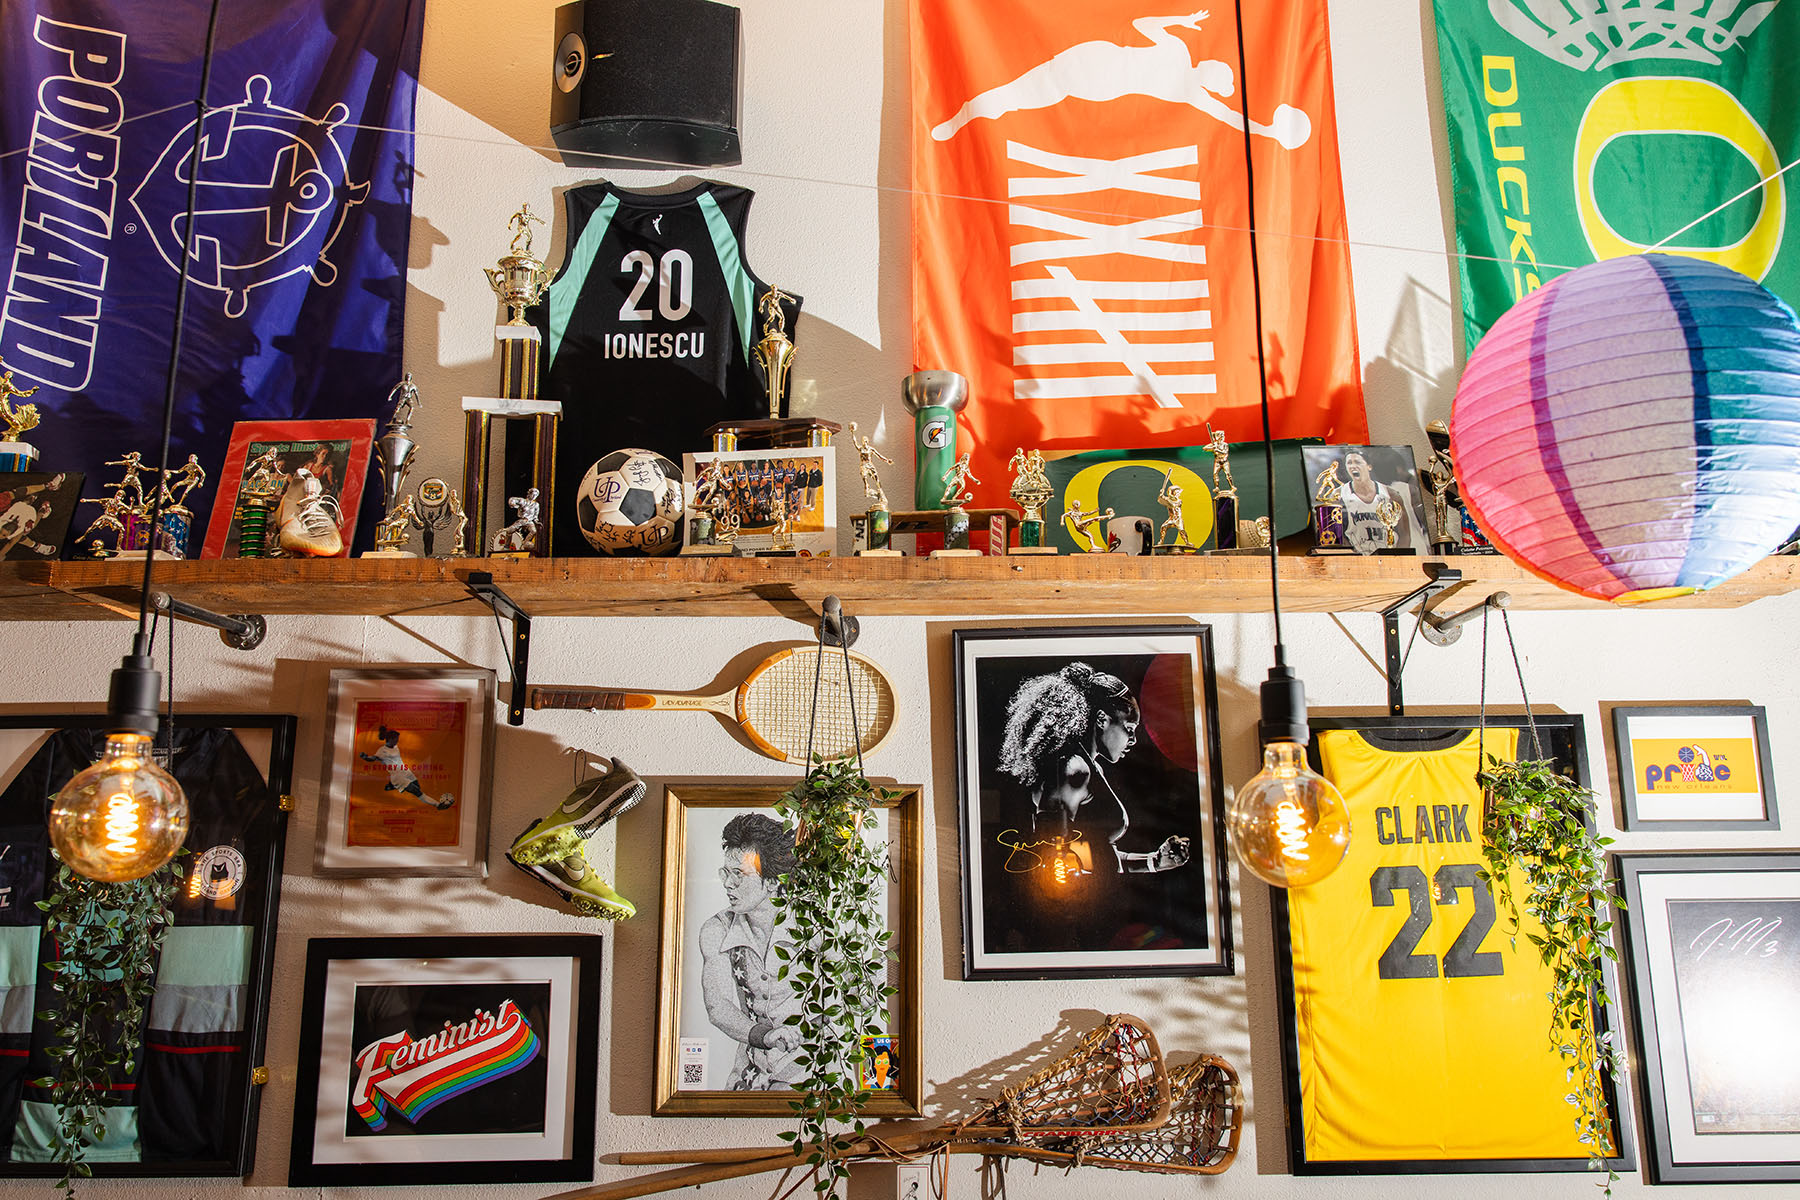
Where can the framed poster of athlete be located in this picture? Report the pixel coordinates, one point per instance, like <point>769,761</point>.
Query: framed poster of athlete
<point>1091,803</point>
<point>722,1048</point>
<point>1686,769</point>
<point>408,762</point>
<point>1415,1031</point>
<point>1715,986</point>
<point>188,1104</point>
<point>447,1060</point>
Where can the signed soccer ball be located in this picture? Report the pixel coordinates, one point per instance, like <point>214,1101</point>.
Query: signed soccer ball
<point>631,501</point>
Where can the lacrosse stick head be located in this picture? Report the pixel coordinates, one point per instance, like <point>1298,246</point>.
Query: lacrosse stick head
<point>1113,1081</point>
<point>1199,1138</point>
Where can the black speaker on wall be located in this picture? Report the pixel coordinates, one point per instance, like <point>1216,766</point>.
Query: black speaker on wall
<point>646,81</point>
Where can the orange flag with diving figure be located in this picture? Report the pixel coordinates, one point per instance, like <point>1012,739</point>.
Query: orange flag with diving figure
<point>1080,218</point>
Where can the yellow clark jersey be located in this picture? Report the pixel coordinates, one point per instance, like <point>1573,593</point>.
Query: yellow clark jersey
<point>1422,1034</point>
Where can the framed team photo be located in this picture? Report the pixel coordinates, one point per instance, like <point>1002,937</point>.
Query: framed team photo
<point>1366,499</point>
<point>428,1060</point>
<point>1694,768</point>
<point>405,783</point>
<point>1415,1029</point>
<point>36,511</point>
<point>189,1103</point>
<point>760,484</point>
<point>336,453</point>
<point>1715,986</point>
<point>1091,803</point>
<point>721,1046</point>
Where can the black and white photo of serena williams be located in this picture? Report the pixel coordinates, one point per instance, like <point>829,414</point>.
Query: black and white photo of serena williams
<point>1091,794</point>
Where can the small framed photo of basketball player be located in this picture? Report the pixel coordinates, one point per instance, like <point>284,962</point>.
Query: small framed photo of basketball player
<point>404,786</point>
<point>780,499</point>
<point>723,1047</point>
<point>428,1060</point>
<point>36,511</point>
<point>1091,803</point>
<point>334,453</point>
<point>1365,500</point>
<point>1685,769</point>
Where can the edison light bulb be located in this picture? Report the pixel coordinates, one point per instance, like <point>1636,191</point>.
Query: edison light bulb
<point>1288,824</point>
<point>121,818</point>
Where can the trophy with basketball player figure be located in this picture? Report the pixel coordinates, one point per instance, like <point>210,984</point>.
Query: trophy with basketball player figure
<point>879,520</point>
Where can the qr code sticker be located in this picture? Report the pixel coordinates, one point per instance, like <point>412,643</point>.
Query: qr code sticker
<point>692,1074</point>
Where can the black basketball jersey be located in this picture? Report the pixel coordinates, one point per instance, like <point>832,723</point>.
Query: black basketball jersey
<point>648,329</point>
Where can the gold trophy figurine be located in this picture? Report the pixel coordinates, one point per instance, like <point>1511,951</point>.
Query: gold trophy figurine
<point>1170,499</point>
<point>878,521</point>
<point>1389,512</point>
<point>16,454</point>
<point>782,537</point>
<point>1082,527</point>
<point>775,349</point>
<point>520,278</point>
<point>1031,491</point>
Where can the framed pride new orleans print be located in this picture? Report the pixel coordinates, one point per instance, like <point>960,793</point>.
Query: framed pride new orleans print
<point>447,1060</point>
<point>1091,803</point>
<point>1685,769</point>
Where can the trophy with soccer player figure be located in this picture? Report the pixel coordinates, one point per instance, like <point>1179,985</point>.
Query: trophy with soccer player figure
<point>879,520</point>
<point>520,278</point>
<point>1031,491</point>
<point>956,517</point>
<point>16,454</point>
<point>394,453</point>
<point>1328,509</point>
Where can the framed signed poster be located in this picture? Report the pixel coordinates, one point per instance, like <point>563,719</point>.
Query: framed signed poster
<point>1416,1031</point>
<point>1694,768</point>
<point>722,1046</point>
<point>1091,803</point>
<point>1715,990</point>
<point>404,787</point>
<point>447,1060</point>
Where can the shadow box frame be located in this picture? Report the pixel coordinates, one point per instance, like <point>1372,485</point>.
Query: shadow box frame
<point>906,839</point>
<point>1208,845</point>
<point>473,961</point>
<point>265,860</point>
<point>477,689</point>
<point>1657,1007</point>
<point>1564,740</point>
<point>1631,818</point>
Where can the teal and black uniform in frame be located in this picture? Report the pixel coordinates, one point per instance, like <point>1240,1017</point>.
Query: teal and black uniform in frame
<point>648,329</point>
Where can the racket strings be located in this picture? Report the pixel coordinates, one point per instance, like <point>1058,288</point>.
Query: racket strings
<point>779,706</point>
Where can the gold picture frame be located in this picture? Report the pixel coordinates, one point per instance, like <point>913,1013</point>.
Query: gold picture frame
<point>698,1062</point>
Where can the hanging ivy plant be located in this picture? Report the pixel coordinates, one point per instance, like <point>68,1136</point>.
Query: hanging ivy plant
<point>1537,821</point>
<point>107,937</point>
<point>835,956</point>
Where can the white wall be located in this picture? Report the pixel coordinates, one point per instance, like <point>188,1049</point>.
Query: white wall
<point>825,148</point>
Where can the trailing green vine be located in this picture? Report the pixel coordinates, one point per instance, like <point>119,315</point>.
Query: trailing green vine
<point>1537,821</point>
<point>107,937</point>
<point>835,957</point>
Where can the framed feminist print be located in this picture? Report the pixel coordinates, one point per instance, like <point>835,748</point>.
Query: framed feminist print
<point>1091,803</point>
<point>404,786</point>
<point>188,1105</point>
<point>1688,769</point>
<point>721,1046</point>
<point>447,1060</point>
<point>1715,986</point>
<point>1415,1030</point>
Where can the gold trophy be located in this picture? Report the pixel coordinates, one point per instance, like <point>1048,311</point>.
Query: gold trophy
<point>775,350</point>
<point>519,281</point>
<point>16,454</point>
<point>878,521</point>
<point>1031,491</point>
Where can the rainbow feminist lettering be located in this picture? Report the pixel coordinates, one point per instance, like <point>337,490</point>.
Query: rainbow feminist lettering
<point>417,1076</point>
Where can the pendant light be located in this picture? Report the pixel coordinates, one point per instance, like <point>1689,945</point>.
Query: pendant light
<point>1288,825</point>
<point>125,816</point>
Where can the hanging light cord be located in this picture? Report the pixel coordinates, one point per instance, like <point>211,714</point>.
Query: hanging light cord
<point>1262,370</point>
<point>141,642</point>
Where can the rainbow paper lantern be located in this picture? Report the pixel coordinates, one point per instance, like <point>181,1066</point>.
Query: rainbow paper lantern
<point>1631,431</point>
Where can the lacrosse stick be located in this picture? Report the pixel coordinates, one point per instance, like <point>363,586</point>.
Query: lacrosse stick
<point>1113,1081</point>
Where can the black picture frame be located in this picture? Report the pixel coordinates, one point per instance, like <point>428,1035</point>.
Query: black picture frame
<point>1695,726</point>
<point>1115,911</point>
<point>238,1086</point>
<point>1757,993</point>
<point>529,1001</point>
<point>1564,741</point>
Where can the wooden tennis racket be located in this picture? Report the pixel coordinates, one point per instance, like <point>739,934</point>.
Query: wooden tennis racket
<point>774,704</point>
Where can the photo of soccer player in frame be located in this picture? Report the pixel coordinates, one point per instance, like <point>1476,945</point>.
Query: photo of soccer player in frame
<point>801,478</point>
<point>1091,802</point>
<point>722,1048</point>
<point>36,511</point>
<point>447,1060</point>
<point>1405,937</point>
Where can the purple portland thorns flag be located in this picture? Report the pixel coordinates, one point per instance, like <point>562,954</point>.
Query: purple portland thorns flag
<point>304,207</point>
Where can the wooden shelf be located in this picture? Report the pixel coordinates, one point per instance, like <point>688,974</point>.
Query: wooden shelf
<point>1077,584</point>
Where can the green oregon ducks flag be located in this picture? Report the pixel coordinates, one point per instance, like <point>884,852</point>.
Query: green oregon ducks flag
<point>1587,129</point>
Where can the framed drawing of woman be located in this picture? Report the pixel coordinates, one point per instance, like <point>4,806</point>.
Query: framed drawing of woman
<point>1091,803</point>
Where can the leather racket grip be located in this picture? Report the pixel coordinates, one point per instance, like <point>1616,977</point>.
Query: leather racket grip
<point>588,699</point>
